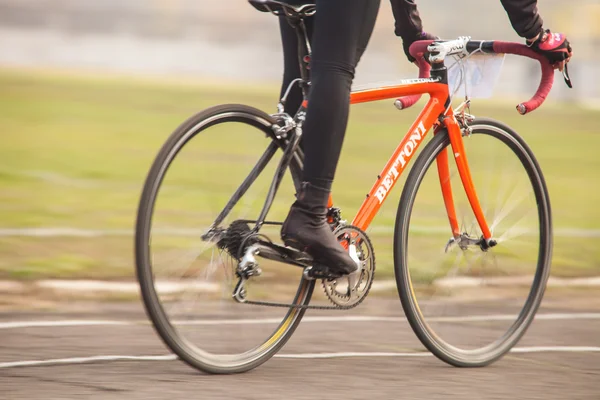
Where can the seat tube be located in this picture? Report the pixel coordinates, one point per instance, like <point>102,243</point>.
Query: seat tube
<point>458,148</point>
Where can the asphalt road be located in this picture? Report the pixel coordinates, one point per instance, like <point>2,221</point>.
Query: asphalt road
<point>559,358</point>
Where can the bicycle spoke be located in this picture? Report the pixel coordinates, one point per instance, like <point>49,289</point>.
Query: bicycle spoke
<point>256,171</point>
<point>516,198</point>
<point>513,232</point>
<point>183,260</point>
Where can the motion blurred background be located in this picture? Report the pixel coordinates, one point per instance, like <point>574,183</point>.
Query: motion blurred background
<point>91,89</point>
<point>89,92</point>
<point>228,40</point>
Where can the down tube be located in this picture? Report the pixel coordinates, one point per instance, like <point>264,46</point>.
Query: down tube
<point>397,163</point>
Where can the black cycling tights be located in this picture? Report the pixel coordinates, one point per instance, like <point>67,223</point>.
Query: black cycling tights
<point>340,32</point>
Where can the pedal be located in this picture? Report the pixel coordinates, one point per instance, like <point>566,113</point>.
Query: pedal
<point>319,271</point>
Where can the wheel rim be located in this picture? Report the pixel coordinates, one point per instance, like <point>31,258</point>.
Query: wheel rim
<point>198,318</point>
<point>471,306</point>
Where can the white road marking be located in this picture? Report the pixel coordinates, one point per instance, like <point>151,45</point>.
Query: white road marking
<point>560,349</point>
<point>350,354</point>
<point>540,349</point>
<point>349,318</point>
<point>84,360</point>
<point>46,324</point>
<point>64,232</point>
<point>546,317</point>
<point>171,357</point>
<point>83,233</point>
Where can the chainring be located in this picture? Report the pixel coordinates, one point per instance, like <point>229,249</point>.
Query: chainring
<point>340,291</point>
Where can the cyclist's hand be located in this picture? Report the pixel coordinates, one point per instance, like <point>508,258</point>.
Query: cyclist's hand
<point>554,46</point>
<point>406,42</point>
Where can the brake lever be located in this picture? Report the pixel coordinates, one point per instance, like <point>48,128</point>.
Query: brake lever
<point>565,73</point>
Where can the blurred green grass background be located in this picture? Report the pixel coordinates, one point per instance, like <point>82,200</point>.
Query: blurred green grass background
<point>76,149</point>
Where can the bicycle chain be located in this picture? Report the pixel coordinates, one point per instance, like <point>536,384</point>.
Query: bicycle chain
<point>297,306</point>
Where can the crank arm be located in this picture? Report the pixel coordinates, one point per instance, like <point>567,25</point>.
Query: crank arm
<point>286,255</point>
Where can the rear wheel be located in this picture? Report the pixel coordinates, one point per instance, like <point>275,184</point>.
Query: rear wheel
<point>186,277</point>
<point>467,305</point>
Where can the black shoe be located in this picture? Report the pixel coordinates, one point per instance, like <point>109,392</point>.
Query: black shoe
<point>306,229</point>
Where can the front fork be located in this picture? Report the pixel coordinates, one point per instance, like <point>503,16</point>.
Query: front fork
<point>460,157</point>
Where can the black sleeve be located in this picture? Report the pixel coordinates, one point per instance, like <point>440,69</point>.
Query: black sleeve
<point>524,17</point>
<point>408,22</point>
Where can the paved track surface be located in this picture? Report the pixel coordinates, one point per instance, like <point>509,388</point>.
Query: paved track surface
<point>553,373</point>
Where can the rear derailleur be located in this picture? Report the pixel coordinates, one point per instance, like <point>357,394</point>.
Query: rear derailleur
<point>247,268</point>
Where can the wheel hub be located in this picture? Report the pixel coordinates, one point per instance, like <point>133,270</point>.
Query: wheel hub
<point>464,241</point>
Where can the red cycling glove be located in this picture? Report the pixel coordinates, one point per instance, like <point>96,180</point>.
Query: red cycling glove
<point>556,48</point>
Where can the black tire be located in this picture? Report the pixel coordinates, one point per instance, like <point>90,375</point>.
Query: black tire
<point>406,285</point>
<point>191,354</point>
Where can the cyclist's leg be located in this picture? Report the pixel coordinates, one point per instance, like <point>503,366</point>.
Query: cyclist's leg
<point>341,33</point>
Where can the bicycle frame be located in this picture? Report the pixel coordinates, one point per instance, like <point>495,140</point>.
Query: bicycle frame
<point>437,114</point>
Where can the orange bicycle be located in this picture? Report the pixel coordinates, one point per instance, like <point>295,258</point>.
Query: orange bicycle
<point>471,262</point>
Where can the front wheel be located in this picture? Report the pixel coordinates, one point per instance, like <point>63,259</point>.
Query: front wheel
<point>469,305</point>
